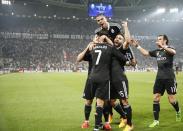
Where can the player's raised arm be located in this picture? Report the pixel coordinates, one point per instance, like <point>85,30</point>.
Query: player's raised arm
<point>127,35</point>
<point>81,56</point>
<point>109,41</point>
<point>142,50</point>
<point>168,49</point>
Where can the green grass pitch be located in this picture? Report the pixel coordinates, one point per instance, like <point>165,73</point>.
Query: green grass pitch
<point>53,102</point>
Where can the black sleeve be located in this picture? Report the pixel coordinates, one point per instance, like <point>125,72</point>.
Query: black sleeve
<point>121,31</point>
<point>116,53</point>
<point>129,54</point>
<point>87,56</point>
<point>97,31</point>
<point>153,53</point>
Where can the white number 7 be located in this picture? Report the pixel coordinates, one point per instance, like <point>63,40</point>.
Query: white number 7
<point>98,57</point>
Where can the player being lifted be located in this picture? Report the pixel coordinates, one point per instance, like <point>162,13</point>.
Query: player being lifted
<point>107,28</point>
<point>165,78</point>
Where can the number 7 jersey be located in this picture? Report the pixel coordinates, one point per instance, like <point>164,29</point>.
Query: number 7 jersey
<point>101,57</point>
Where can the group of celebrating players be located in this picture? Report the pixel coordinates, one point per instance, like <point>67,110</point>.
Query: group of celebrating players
<point>107,55</point>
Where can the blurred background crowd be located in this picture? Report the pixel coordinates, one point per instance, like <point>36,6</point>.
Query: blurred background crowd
<point>37,36</point>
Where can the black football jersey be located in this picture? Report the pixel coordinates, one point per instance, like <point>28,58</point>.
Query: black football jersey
<point>87,57</point>
<point>165,63</point>
<point>117,68</point>
<point>101,61</point>
<point>112,32</point>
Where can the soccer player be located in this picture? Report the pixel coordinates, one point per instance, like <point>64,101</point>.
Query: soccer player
<point>87,90</point>
<point>87,94</point>
<point>165,79</point>
<point>100,74</point>
<point>120,82</point>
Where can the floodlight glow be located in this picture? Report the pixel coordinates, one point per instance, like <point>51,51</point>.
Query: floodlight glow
<point>174,10</point>
<point>160,10</point>
<point>6,2</point>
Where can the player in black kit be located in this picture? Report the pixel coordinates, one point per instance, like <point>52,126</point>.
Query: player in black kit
<point>120,89</point>
<point>87,90</point>
<point>109,29</point>
<point>165,79</point>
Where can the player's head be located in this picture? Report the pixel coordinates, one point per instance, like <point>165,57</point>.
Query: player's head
<point>99,39</point>
<point>163,39</point>
<point>102,21</point>
<point>119,40</point>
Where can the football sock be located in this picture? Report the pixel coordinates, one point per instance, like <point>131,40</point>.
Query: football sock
<point>87,111</point>
<point>128,111</point>
<point>98,116</point>
<point>110,110</point>
<point>106,112</point>
<point>119,109</point>
<point>176,106</point>
<point>122,105</point>
<point>156,110</point>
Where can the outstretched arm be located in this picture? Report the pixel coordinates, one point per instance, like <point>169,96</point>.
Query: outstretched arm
<point>126,35</point>
<point>142,50</point>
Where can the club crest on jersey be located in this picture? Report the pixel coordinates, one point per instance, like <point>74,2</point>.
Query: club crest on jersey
<point>112,30</point>
<point>157,54</point>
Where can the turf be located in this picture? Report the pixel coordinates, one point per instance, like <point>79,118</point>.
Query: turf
<point>53,102</point>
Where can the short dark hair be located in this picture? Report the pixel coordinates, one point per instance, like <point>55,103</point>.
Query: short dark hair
<point>121,35</point>
<point>165,37</point>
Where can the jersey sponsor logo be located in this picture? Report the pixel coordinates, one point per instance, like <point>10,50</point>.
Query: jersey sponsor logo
<point>161,58</point>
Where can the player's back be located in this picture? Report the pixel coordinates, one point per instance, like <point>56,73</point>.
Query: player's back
<point>101,62</point>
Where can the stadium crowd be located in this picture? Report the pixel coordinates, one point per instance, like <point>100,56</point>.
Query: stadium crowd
<point>47,51</point>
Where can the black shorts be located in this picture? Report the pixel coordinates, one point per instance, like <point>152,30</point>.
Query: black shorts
<point>170,85</point>
<point>87,93</point>
<point>101,89</point>
<point>120,89</point>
